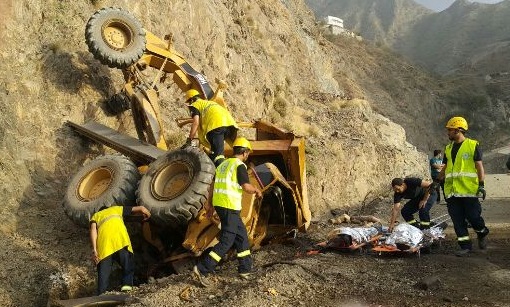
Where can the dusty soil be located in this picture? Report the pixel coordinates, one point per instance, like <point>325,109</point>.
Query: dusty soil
<point>286,276</point>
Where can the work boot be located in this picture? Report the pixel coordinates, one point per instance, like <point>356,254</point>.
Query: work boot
<point>201,278</point>
<point>441,225</point>
<point>246,276</point>
<point>415,224</point>
<point>482,240</point>
<point>249,275</point>
<point>463,252</point>
<point>126,288</point>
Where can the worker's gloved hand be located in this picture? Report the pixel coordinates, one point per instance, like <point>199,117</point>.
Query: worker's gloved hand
<point>481,190</point>
<point>187,144</point>
<point>209,211</point>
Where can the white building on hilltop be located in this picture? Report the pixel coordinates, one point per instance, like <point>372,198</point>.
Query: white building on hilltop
<point>334,24</point>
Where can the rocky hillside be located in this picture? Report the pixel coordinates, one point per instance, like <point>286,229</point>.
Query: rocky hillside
<point>279,67</point>
<point>467,35</point>
<point>461,38</point>
<point>380,21</point>
<point>468,43</point>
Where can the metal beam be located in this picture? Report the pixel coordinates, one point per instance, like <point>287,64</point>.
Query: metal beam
<point>138,151</point>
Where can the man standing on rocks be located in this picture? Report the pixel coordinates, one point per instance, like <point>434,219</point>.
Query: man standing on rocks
<point>463,177</point>
<point>229,183</point>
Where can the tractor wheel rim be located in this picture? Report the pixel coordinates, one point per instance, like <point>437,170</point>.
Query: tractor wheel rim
<point>94,184</point>
<point>117,35</point>
<point>172,180</point>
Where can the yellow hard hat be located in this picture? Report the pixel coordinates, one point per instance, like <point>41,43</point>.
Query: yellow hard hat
<point>242,142</point>
<point>191,93</point>
<point>457,122</point>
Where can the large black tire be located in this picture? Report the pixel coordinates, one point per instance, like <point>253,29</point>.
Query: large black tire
<point>105,181</point>
<point>176,186</point>
<point>115,37</point>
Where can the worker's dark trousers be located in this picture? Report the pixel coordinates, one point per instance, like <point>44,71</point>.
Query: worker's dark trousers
<point>463,210</point>
<point>438,189</point>
<point>413,206</point>
<point>104,268</point>
<point>216,138</point>
<point>233,233</point>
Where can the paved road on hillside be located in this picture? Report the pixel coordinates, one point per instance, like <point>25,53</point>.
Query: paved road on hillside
<point>496,207</point>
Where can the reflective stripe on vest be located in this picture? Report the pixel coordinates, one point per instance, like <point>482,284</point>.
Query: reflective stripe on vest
<point>108,218</point>
<point>227,192</point>
<point>461,178</point>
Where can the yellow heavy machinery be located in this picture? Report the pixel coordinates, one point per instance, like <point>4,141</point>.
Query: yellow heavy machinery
<point>175,184</point>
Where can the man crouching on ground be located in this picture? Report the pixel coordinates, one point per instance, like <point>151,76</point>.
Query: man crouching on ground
<point>421,199</point>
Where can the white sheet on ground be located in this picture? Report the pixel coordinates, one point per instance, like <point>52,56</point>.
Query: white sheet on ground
<point>359,234</point>
<point>405,234</point>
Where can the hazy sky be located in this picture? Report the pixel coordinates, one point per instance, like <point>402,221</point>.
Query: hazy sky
<point>439,5</point>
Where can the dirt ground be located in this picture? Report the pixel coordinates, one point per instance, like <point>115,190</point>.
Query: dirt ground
<point>287,277</point>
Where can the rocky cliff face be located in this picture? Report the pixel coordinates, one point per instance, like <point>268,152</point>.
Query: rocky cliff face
<point>459,37</point>
<point>467,44</point>
<point>455,39</point>
<point>278,67</point>
<point>381,21</point>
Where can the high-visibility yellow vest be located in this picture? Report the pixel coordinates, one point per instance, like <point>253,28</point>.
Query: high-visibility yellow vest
<point>461,178</point>
<point>112,234</point>
<point>212,116</point>
<point>227,192</point>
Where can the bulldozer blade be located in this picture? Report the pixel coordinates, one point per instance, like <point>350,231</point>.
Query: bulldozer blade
<point>131,147</point>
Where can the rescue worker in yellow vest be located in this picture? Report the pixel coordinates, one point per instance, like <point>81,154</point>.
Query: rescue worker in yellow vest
<point>230,182</point>
<point>110,241</point>
<point>463,177</point>
<point>212,122</point>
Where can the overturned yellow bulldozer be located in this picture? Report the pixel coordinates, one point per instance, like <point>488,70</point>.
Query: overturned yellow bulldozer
<point>174,184</point>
